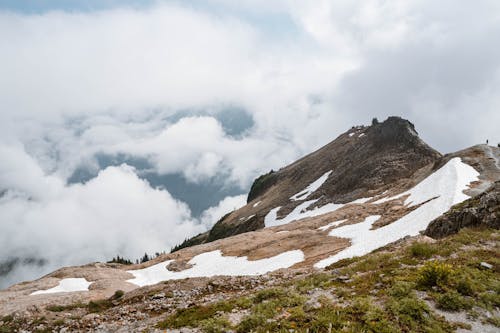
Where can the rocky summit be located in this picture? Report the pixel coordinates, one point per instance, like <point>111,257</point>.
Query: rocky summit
<point>374,232</point>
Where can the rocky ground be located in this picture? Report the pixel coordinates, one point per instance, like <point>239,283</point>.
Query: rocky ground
<point>415,285</point>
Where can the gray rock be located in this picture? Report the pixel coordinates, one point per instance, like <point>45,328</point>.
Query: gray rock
<point>485,265</point>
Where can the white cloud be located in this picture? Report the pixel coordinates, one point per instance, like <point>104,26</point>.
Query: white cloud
<point>227,205</point>
<point>114,213</point>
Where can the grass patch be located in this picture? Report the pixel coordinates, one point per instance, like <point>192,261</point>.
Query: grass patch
<point>422,250</point>
<point>452,301</point>
<point>61,308</point>
<point>99,305</point>
<point>194,315</point>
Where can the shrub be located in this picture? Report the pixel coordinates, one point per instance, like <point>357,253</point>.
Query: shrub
<point>434,273</point>
<point>56,308</point>
<point>118,294</point>
<point>192,316</point>
<point>410,311</point>
<point>243,302</point>
<point>422,250</point>
<point>268,294</point>
<point>99,305</point>
<point>401,289</point>
<point>452,301</point>
<point>464,287</point>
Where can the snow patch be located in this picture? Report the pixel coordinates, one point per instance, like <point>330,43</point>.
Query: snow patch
<point>66,286</point>
<point>331,224</point>
<point>257,203</point>
<point>362,134</point>
<point>311,188</point>
<point>444,188</point>
<point>300,212</point>
<point>351,134</point>
<point>212,264</point>
<point>360,200</point>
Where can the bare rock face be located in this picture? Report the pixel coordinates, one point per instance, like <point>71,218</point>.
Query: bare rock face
<point>483,210</point>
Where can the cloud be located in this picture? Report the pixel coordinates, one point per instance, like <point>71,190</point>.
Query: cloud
<point>114,213</point>
<point>227,205</point>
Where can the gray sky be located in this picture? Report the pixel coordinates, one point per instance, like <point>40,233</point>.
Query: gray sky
<point>209,94</point>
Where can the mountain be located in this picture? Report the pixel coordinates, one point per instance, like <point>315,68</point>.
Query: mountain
<point>338,231</point>
<point>362,162</point>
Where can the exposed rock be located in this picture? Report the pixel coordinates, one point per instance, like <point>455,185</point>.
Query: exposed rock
<point>485,265</point>
<point>481,210</point>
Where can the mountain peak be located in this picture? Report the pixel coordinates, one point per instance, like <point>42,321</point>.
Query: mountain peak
<point>363,161</point>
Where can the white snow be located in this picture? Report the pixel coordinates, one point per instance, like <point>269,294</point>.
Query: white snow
<point>212,264</point>
<point>311,188</point>
<point>445,185</point>
<point>362,134</point>
<point>66,286</point>
<point>360,200</point>
<point>300,212</point>
<point>331,224</point>
<point>351,134</point>
<point>257,203</point>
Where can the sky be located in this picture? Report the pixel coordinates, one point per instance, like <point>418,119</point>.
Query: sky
<point>128,126</point>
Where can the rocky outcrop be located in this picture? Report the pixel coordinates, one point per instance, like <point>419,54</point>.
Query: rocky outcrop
<point>483,210</point>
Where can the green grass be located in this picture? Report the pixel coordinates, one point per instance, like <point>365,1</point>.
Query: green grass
<point>422,250</point>
<point>194,315</point>
<point>452,301</point>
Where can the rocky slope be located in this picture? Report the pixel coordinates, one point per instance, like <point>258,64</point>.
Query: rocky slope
<point>370,187</point>
<point>365,160</point>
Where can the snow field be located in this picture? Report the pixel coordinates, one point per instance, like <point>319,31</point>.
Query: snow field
<point>66,286</point>
<point>311,188</point>
<point>214,263</point>
<point>300,212</point>
<point>444,188</point>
